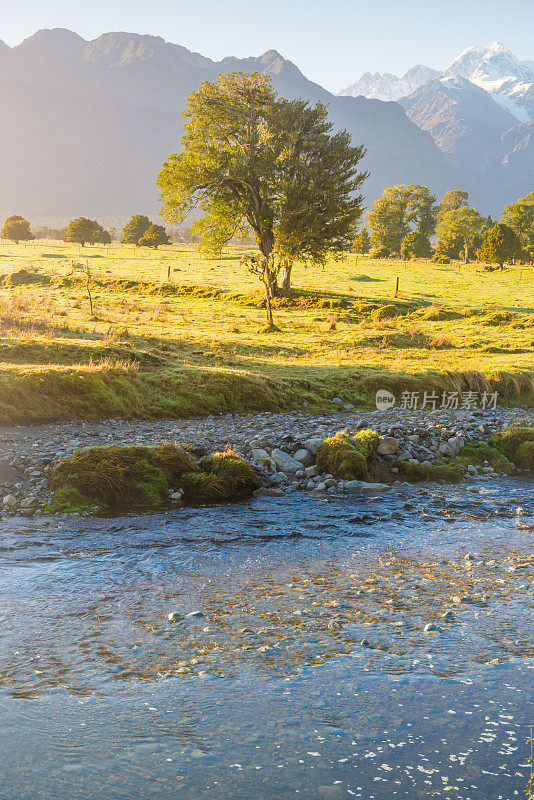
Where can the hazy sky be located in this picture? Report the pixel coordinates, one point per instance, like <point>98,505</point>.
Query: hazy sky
<point>332,41</point>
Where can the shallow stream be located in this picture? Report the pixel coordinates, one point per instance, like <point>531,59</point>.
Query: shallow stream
<point>270,694</point>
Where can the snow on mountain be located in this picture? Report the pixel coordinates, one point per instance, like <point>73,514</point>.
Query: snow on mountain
<point>386,86</point>
<point>495,69</point>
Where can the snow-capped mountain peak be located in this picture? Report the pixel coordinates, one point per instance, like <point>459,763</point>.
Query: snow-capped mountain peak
<point>496,69</point>
<point>386,86</point>
<point>491,63</point>
<point>493,68</point>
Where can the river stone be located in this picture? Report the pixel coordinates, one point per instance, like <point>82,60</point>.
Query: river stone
<point>259,454</point>
<point>312,472</point>
<point>194,614</point>
<point>388,445</point>
<point>10,501</point>
<point>268,492</point>
<point>29,502</point>
<point>331,792</point>
<point>313,445</point>
<point>284,462</point>
<point>362,487</point>
<point>304,456</point>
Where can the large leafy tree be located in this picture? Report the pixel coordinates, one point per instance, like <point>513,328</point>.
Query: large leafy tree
<point>154,236</point>
<point>460,228</point>
<point>16,229</point>
<point>134,229</point>
<point>500,244</point>
<point>519,216</point>
<point>86,231</point>
<point>398,211</point>
<point>253,159</point>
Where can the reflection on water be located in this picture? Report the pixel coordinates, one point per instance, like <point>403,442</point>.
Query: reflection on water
<point>270,692</point>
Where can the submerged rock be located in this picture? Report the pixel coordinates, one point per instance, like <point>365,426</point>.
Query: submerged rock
<point>363,487</point>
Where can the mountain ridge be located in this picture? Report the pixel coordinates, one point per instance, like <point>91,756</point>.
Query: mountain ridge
<point>90,124</point>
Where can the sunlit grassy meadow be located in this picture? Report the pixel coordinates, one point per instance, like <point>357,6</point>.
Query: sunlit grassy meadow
<point>193,343</point>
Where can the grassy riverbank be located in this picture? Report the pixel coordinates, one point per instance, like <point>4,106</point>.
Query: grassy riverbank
<point>193,344</point>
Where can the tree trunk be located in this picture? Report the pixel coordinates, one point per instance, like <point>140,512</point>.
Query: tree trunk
<point>267,298</point>
<point>273,284</point>
<point>466,252</point>
<point>286,277</point>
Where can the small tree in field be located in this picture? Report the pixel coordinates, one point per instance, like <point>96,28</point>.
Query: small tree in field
<point>415,245</point>
<point>250,157</point>
<point>154,236</point>
<point>362,242</point>
<point>84,231</point>
<point>135,229</point>
<point>500,244</point>
<point>16,229</point>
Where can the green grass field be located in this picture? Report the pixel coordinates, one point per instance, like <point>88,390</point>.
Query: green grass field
<point>194,344</point>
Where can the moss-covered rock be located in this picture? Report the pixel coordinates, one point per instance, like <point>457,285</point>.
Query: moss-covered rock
<point>111,478</point>
<point>118,479</point>
<point>348,458</point>
<point>525,456</point>
<point>450,470</point>
<point>517,444</point>
<point>233,471</point>
<point>479,452</point>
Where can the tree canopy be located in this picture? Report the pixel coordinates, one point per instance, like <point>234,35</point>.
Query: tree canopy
<point>415,245</point>
<point>86,231</point>
<point>362,242</point>
<point>500,244</point>
<point>134,229</point>
<point>16,229</point>
<point>460,228</point>
<point>519,216</point>
<point>251,158</point>
<point>454,198</point>
<point>154,236</point>
<point>398,211</point>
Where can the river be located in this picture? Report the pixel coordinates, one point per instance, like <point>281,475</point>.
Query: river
<point>268,693</point>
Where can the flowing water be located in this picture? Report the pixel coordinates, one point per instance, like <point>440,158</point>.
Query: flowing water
<point>271,694</point>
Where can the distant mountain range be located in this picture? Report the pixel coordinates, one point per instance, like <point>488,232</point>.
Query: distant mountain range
<point>86,126</point>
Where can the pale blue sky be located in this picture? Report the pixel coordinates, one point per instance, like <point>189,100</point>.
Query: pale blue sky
<point>332,42</point>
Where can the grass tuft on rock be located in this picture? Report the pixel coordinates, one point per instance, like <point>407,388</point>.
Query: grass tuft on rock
<point>234,471</point>
<point>517,444</point>
<point>112,478</point>
<point>203,487</point>
<point>119,479</point>
<point>348,458</point>
<point>449,470</point>
<point>480,452</point>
